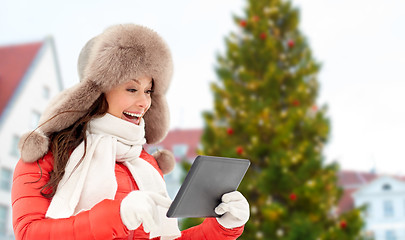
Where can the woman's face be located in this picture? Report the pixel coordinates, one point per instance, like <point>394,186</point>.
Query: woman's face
<point>130,100</point>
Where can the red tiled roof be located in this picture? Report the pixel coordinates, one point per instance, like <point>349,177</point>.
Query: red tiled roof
<point>190,137</point>
<point>346,201</point>
<point>14,63</point>
<point>350,178</point>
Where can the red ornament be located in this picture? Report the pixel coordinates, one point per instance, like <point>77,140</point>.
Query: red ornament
<point>293,197</point>
<point>291,43</point>
<point>296,102</point>
<point>239,150</point>
<point>242,23</point>
<point>263,35</point>
<point>314,108</point>
<point>255,18</point>
<point>343,224</point>
<point>229,131</point>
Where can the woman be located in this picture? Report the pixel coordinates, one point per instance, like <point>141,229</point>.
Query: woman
<point>83,173</point>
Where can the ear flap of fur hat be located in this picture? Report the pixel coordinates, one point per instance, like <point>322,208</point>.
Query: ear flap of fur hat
<point>119,54</point>
<point>62,112</point>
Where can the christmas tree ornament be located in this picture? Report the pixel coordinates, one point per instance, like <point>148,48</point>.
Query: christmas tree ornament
<point>343,224</point>
<point>255,18</point>
<point>263,35</point>
<point>314,108</point>
<point>239,150</point>
<point>242,23</point>
<point>295,102</point>
<point>229,131</point>
<point>291,43</point>
<point>293,197</point>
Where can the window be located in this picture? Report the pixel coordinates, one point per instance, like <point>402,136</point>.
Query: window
<point>180,150</point>
<point>5,179</point>
<point>14,146</point>
<point>388,208</point>
<point>3,219</point>
<point>390,235</point>
<point>35,119</point>
<point>153,148</point>
<point>386,187</point>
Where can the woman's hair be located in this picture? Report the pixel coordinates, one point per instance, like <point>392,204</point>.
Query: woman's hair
<point>65,141</point>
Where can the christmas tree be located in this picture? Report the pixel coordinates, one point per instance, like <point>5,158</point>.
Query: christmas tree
<point>265,110</point>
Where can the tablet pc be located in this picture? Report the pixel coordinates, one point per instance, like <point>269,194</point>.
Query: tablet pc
<point>208,179</point>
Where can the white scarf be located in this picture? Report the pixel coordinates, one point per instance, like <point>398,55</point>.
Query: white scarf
<point>109,139</point>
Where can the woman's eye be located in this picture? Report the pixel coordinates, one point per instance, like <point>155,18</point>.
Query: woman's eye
<point>131,90</point>
<point>149,91</point>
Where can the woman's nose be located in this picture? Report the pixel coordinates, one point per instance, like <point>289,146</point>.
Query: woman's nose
<point>142,100</point>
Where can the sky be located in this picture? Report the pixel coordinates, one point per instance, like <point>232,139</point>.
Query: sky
<point>360,45</point>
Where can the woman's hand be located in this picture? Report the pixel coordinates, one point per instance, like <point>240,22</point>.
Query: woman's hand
<point>235,210</point>
<point>140,207</point>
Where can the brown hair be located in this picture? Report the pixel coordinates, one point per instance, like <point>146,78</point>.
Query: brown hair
<point>66,140</point>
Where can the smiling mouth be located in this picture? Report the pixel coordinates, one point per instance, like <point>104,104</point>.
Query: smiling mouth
<point>133,117</point>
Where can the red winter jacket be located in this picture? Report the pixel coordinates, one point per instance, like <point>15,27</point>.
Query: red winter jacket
<point>102,222</point>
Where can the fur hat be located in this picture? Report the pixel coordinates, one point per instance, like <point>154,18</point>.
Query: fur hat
<point>120,53</point>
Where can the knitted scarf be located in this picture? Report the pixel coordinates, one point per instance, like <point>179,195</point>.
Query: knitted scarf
<point>109,139</point>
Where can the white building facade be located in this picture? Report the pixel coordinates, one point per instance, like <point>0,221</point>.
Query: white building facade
<point>385,201</point>
<point>40,82</point>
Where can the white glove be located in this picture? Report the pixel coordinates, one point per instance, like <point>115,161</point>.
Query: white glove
<point>235,208</point>
<point>140,207</point>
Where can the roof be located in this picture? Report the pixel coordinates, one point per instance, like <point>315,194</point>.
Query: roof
<point>346,201</point>
<point>354,179</point>
<point>15,60</point>
<point>190,137</point>
<point>350,181</point>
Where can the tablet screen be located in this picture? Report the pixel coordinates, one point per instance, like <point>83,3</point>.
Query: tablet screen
<point>208,179</point>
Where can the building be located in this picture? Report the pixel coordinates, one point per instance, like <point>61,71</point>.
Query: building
<point>385,201</point>
<point>184,145</point>
<point>29,77</point>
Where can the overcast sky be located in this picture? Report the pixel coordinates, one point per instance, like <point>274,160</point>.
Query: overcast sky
<point>359,43</point>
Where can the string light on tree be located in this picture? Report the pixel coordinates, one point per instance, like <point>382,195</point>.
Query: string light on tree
<point>280,232</point>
